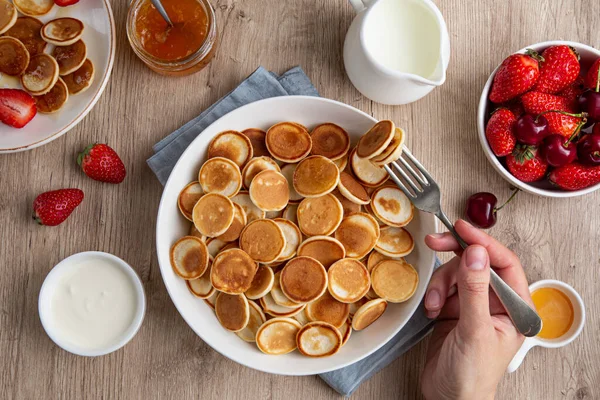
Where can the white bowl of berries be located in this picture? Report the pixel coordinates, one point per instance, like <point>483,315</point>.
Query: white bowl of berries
<point>539,119</point>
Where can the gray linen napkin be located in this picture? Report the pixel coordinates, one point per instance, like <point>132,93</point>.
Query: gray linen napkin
<point>262,84</point>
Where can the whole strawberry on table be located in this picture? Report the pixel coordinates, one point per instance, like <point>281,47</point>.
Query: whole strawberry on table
<point>545,122</point>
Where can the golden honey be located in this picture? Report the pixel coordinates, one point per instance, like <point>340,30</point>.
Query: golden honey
<point>556,311</point>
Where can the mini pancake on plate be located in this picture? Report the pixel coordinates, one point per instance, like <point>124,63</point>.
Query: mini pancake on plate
<point>330,140</point>
<point>394,280</point>
<point>232,145</point>
<point>257,138</point>
<point>269,191</point>
<point>324,249</point>
<point>393,151</point>
<point>233,311</point>
<point>278,296</point>
<point>346,331</point>
<point>341,163</point>
<point>188,197</point>
<point>70,58</point>
<point>319,339</point>
<point>368,313</point>
<point>189,257</point>
<point>8,15</point>
<point>351,189</point>
<point>257,318</point>
<point>277,336</point>
<point>201,287</point>
<point>252,212</point>
<point>233,271</point>
<point>263,240</point>
<point>293,237</point>
<point>288,142</point>
<point>288,171</point>
<point>230,245</point>
<point>261,284</point>
<point>270,307</point>
<point>348,206</point>
<point>62,31</point>
<point>367,173</point>
<point>212,300</point>
<point>291,213</point>
<point>220,175</point>
<point>33,8</point>
<point>213,214</point>
<point>81,79</point>
<point>274,214</point>
<point>375,258</point>
<point>303,279</point>
<point>194,232</point>
<point>235,229</point>
<point>327,309</point>
<point>27,31</point>
<point>369,210</point>
<point>392,206</point>
<point>376,140</point>
<point>316,176</point>
<point>255,166</point>
<point>320,216</point>
<point>395,242</point>
<point>214,246</point>
<point>54,100</point>
<point>356,305</point>
<point>301,317</point>
<point>40,75</point>
<point>348,280</point>
<point>14,57</point>
<point>359,234</point>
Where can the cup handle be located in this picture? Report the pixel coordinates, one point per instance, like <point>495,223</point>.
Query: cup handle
<point>360,5</point>
<point>520,356</point>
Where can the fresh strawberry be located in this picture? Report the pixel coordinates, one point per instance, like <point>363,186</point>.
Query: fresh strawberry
<point>562,124</point>
<point>53,208</point>
<point>572,92</point>
<point>537,102</point>
<point>516,75</point>
<point>499,132</point>
<point>515,106</point>
<point>65,3</point>
<point>101,163</point>
<point>17,107</point>
<point>575,176</point>
<point>591,79</point>
<point>559,68</point>
<point>526,164</point>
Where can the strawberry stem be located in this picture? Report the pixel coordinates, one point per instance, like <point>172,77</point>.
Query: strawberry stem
<point>576,132</point>
<point>598,80</point>
<point>580,115</point>
<point>535,55</point>
<point>512,196</point>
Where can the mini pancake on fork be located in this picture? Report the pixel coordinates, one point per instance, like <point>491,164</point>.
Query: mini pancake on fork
<point>232,145</point>
<point>70,58</point>
<point>393,151</point>
<point>27,31</point>
<point>62,31</point>
<point>376,140</point>
<point>8,15</point>
<point>288,142</point>
<point>316,176</point>
<point>14,57</point>
<point>330,140</point>
<point>40,75</point>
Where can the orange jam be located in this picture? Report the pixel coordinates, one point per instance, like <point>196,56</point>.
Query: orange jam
<point>184,38</point>
<point>556,311</point>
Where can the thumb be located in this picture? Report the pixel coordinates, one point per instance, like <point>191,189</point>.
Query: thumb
<point>473,280</point>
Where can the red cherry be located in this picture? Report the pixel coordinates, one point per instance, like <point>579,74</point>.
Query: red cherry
<point>481,209</point>
<point>591,105</point>
<point>558,150</point>
<point>588,148</point>
<point>531,130</point>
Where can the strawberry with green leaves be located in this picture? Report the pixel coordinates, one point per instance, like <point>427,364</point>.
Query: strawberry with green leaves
<point>538,102</point>
<point>102,163</point>
<point>499,132</point>
<point>516,75</point>
<point>575,176</point>
<point>54,207</point>
<point>559,68</point>
<point>526,164</point>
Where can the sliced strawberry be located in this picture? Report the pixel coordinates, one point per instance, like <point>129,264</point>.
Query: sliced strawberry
<point>17,107</point>
<point>499,132</point>
<point>65,3</point>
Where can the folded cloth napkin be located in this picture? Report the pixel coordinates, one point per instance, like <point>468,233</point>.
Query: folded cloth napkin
<point>263,84</point>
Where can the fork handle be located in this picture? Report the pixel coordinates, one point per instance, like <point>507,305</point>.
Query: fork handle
<point>525,318</point>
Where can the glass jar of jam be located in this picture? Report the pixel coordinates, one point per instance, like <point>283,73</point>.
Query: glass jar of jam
<point>181,49</point>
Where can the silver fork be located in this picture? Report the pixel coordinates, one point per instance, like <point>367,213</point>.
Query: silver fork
<point>425,195</point>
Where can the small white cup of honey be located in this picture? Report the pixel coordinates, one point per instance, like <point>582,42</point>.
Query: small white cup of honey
<point>563,316</point>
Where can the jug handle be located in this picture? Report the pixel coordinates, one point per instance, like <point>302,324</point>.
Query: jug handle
<point>520,356</point>
<point>360,5</point>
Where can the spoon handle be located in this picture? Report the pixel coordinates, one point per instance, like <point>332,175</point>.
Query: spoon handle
<point>162,11</point>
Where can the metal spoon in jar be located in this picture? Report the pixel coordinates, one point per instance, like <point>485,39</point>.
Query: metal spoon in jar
<point>162,11</point>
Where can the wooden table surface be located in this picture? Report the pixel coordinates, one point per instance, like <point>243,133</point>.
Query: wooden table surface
<point>555,238</point>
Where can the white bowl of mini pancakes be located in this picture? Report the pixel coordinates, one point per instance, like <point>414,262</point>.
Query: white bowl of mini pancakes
<point>172,226</point>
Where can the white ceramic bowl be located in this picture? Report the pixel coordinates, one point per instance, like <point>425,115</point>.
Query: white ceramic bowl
<point>543,188</point>
<point>171,225</point>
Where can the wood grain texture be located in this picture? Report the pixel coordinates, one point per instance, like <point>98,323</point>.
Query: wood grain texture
<point>555,238</point>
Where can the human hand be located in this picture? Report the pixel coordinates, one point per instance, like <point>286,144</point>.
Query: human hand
<point>473,340</point>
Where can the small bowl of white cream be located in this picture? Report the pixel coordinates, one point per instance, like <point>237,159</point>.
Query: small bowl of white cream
<point>92,303</point>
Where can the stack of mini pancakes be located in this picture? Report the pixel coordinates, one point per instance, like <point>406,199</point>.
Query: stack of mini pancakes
<point>49,77</point>
<point>296,240</point>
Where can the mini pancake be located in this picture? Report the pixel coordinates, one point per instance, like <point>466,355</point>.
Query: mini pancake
<point>371,295</point>
<point>14,57</point>
<point>301,317</point>
<point>394,280</point>
<point>376,140</point>
<point>348,280</point>
<point>8,16</point>
<point>324,249</point>
<point>214,246</point>
<point>341,163</point>
<point>278,296</point>
<point>256,165</point>
<point>62,31</point>
<point>368,313</point>
<point>356,305</point>
<point>188,197</point>
<point>263,240</point>
<point>346,331</point>
<point>261,284</point>
<point>274,214</point>
<point>375,258</point>
<point>320,215</point>
<point>392,152</point>
<point>319,339</point>
<point>220,175</point>
<point>54,100</point>
<point>194,232</point>
<point>328,309</point>
<point>269,191</point>
<point>291,213</point>
<point>351,189</point>
<point>233,311</point>
<point>257,318</point>
<point>79,81</point>
<point>189,257</point>
<point>392,206</point>
<point>213,214</point>
<point>277,336</point>
<point>369,211</point>
<point>70,58</point>
<point>233,271</point>
<point>257,139</point>
<point>316,176</point>
<point>235,229</point>
<point>330,140</point>
<point>33,8</point>
<point>293,237</point>
<point>288,171</point>
<point>252,212</point>
<point>201,287</point>
<point>358,233</point>
<point>303,279</point>
<point>230,245</point>
<point>367,173</point>
<point>40,75</point>
<point>395,242</point>
<point>232,145</point>
<point>288,142</point>
<point>212,300</point>
<point>348,206</point>
<point>270,307</point>
<point>27,31</point>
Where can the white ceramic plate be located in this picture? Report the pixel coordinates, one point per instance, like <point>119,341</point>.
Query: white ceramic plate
<point>171,225</point>
<point>99,37</point>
